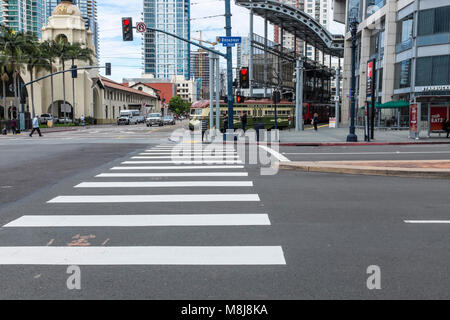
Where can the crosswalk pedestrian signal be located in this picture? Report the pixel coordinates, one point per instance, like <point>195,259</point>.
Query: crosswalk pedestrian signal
<point>244,79</point>
<point>108,69</point>
<point>127,29</point>
<point>74,72</point>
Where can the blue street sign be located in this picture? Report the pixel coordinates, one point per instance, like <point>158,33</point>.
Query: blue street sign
<point>230,40</point>
<point>228,44</point>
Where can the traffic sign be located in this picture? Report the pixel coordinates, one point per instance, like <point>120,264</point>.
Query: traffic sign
<point>229,40</point>
<point>141,27</point>
<point>228,45</point>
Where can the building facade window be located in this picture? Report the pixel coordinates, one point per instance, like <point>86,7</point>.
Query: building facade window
<point>432,71</point>
<point>402,77</point>
<point>434,21</point>
<point>404,34</point>
<point>373,6</point>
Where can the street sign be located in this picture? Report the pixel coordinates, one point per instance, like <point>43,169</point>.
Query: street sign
<point>229,40</point>
<point>141,27</point>
<point>228,45</point>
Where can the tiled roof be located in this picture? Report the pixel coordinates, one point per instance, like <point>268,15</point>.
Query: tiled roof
<point>112,84</point>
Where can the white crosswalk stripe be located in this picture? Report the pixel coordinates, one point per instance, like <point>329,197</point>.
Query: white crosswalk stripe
<point>141,220</point>
<point>195,163</point>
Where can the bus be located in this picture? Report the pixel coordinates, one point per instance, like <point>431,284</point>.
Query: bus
<point>261,111</point>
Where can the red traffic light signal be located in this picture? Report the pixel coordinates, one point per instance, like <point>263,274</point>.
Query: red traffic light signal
<point>127,29</point>
<point>240,99</point>
<point>244,80</point>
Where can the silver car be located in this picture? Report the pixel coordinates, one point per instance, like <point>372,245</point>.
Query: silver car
<point>154,119</point>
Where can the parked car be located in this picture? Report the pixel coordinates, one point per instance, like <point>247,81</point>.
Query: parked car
<point>169,120</point>
<point>141,119</point>
<point>154,119</point>
<point>127,117</point>
<point>45,117</point>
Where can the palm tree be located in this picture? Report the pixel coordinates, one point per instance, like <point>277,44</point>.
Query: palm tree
<point>5,79</point>
<point>62,47</point>
<point>50,53</point>
<point>77,51</point>
<point>35,61</point>
<point>11,46</point>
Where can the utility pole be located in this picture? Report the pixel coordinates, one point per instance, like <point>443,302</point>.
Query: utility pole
<point>299,96</point>
<point>338,94</point>
<point>211,91</point>
<point>217,92</point>
<point>352,137</point>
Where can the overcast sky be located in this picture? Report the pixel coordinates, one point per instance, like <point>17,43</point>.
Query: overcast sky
<point>126,56</point>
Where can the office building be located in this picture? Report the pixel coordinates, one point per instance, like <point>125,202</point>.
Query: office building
<point>23,15</point>
<point>165,56</point>
<point>409,40</point>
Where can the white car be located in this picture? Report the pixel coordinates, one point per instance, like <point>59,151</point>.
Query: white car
<point>154,119</point>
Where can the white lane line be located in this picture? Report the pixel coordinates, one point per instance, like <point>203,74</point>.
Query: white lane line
<point>264,255</point>
<point>186,154</point>
<point>172,174</point>
<point>428,221</point>
<point>158,198</point>
<point>276,154</point>
<point>368,153</point>
<point>165,184</point>
<point>186,162</point>
<point>140,220</point>
<point>176,167</point>
<point>226,157</point>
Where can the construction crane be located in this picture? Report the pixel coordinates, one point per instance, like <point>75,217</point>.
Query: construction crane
<point>200,52</point>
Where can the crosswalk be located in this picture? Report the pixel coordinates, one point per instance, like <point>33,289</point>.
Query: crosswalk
<point>141,180</point>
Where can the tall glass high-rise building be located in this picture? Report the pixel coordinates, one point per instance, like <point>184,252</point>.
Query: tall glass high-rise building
<point>165,56</point>
<point>23,15</point>
<point>88,10</point>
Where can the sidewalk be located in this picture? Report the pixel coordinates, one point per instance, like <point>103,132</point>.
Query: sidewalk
<point>332,136</point>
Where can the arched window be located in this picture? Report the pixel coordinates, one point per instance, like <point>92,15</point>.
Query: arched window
<point>61,37</point>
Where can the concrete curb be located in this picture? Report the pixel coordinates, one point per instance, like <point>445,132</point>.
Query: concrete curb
<point>366,170</point>
<point>356,144</point>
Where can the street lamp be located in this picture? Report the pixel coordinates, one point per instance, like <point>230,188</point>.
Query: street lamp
<point>352,137</point>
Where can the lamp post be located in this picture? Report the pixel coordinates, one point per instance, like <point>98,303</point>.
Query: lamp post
<point>352,137</point>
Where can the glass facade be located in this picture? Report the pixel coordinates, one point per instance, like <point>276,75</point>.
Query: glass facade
<point>373,6</point>
<point>165,56</point>
<point>402,75</point>
<point>433,71</point>
<point>434,21</point>
<point>404,39</point>
<point>24,15</point>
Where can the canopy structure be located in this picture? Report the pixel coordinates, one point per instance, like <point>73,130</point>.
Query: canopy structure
<point>298,23</point>
<point>393,105</point>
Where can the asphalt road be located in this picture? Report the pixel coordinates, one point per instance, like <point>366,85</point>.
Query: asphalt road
<point>310,235</point>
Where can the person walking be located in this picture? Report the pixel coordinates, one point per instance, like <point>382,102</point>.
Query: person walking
<point>244,121</point>
<point>82,120</point>
<point>204,128</point>
<point>225,123</point>
<point>316,121</point>
<point>36,126</point>
<point>446,127</point>
<point>14,126</point>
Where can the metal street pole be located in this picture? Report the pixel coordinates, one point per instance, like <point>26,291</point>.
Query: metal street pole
<point>229,66</point>
<point>211,91</point>
<point>338,94</point>
<point>217,93</point>
<point>299,96</point>
<point>352,137</point>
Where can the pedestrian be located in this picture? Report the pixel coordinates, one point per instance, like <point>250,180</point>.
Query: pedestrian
<point>315,121</point>
<point>82,120</point>
<point>14,126</point>
<point>225,123</point>
<point>446,127</point>
<point>244,121</point>
<point>36,126</point>
<point>204,127</point>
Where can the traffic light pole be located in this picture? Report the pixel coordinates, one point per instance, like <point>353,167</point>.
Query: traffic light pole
<point>229,66</point>
<point>299,96</point>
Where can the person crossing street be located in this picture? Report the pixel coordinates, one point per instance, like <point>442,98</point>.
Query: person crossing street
<point>36,126</point>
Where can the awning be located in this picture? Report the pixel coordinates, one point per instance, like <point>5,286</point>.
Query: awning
<point>393,105</point>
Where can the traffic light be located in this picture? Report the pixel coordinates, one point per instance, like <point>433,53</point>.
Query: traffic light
<point>108,68</point>
<point>276,97</point>
<point>74,72</point>
<point>244,79</point>
<point>240,99</point>
<point>127,29</point>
